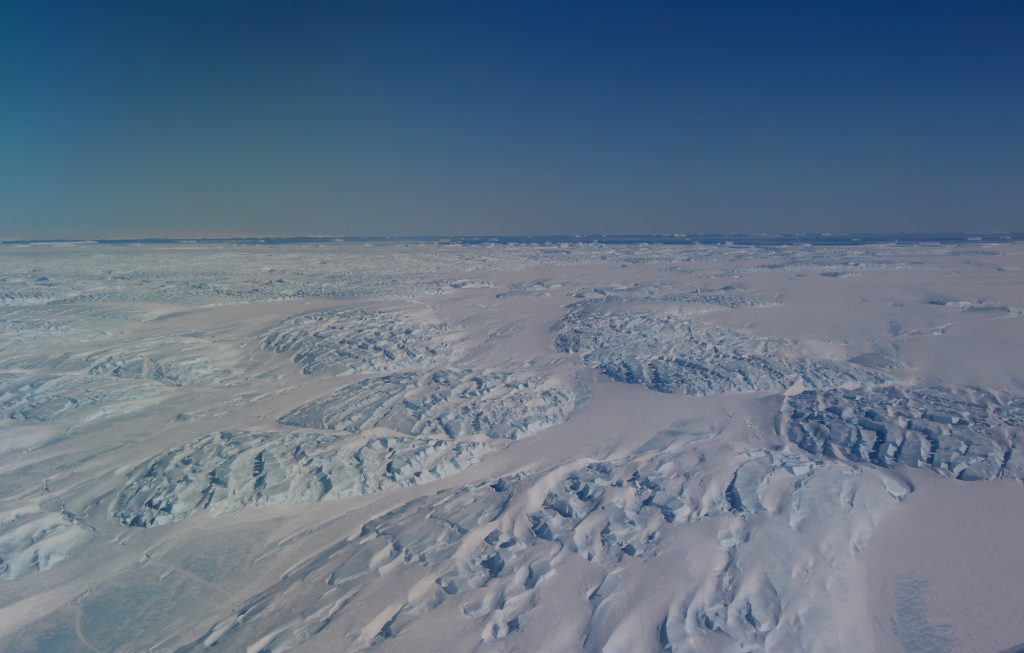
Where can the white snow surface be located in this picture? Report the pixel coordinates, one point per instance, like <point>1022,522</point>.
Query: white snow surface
<point>563,447</point>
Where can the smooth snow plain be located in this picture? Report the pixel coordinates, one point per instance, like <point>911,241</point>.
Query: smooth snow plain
<point>434,446</point>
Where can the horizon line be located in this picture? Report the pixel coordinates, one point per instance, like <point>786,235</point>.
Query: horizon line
<point>577,238</point>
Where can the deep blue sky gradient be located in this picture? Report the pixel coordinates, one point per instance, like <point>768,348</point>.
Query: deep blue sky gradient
<point>379,117</point>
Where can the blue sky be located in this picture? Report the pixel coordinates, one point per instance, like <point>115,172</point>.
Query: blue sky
<point>387,118</point>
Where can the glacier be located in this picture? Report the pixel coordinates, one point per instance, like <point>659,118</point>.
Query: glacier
<point>533,445</point>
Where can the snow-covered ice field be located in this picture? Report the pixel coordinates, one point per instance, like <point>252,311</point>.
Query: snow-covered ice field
<point>429,446</point>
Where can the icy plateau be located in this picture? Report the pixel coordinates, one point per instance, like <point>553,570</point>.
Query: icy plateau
<point>443,446</point>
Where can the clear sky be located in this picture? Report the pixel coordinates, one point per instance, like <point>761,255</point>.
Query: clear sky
<point>429,117</point>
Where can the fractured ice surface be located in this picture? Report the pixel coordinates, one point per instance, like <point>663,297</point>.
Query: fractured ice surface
<point>726,297</point>
<point>176,360</point>
<point>445,403</point>
<point>977,307</point>
<point>356,340</point>
<point>667,353</point>
<point>962,433</point>
<point>878,361</point>
<point>225,471</point>
<point>30,292</point>
<point>829,266</point>
<point>538,288</point>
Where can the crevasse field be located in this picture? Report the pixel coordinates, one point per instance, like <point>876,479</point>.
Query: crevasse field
<point>428,446</point>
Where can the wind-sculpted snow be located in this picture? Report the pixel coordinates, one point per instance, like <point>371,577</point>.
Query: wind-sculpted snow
<point>33,540</point>
<point>17,327</point>
<point>667,353</point>
<point>67,346</point>
<point>538,288</point>
<point>224,472</point>
<point>132,365</point>
<point>358,341</point>
<point>35,334</point>
<point>87,274</point>
<point>727,298</point>
<point>829,267</point>
<point>776,527</point>
<point>177,360</point>
<point>47,397</point>
<point>447,403</point>
<point>977,307</point>
<point>28,291</point>
<point>961,433</point>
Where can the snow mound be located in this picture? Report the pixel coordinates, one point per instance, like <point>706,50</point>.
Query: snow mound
<point>961,433</point>
<point>444,403</point>
<point>361,341</point>
<point>223,472</point>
